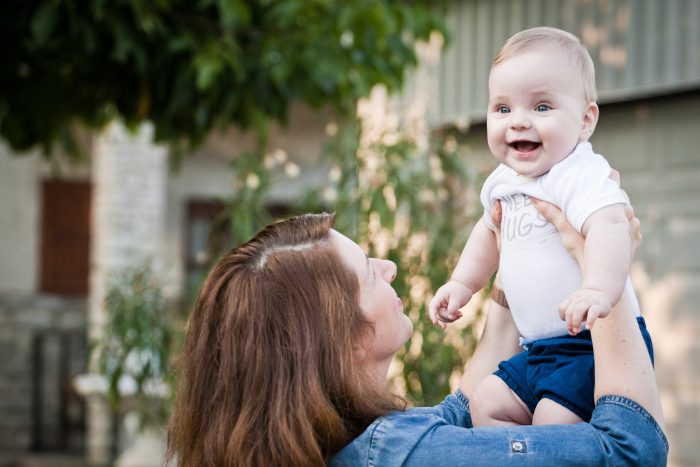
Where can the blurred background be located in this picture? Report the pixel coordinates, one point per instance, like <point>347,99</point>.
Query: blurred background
<point>139,140</point>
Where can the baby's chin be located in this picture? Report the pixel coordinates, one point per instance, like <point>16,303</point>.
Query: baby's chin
<point>533,168</point>
<point>529,172</point>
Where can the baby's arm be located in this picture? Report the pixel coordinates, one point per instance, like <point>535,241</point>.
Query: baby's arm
<point>606,266</point>
<point>476,264</point>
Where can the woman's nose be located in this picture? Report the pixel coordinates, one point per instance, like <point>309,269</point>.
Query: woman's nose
<point>387,270</point>
<point>391,271</point>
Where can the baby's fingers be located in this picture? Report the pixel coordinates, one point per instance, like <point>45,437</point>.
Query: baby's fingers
<point>574,313</point>
<point>594,312</point>
<point>597,310</point>
<point>453,306</point>
<point>433,310</point>
<point>438,312</point>
<point>439,319</point>
<point>451,317</point>
<point>447,316</point>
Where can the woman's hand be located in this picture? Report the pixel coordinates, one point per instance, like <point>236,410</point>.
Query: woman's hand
<point>572,240</point>
<point>574,243</point>
<point>584,304</point>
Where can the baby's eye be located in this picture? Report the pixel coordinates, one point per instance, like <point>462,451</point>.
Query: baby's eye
<point>543,107</point>
<point>502,109</point>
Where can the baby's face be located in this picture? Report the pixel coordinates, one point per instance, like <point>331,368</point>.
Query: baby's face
<point>537,112</point>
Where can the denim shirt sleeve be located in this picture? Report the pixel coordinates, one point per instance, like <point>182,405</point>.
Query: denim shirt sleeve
<point>621,432</point>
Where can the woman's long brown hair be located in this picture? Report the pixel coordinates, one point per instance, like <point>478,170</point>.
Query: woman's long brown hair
<point>268,373</point>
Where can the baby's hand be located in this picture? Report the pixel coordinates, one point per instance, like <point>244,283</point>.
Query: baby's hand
<point>584,305</point>
<point>445,305</point>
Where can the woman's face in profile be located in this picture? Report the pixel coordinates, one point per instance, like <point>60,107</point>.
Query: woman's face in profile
<point>378,300</point>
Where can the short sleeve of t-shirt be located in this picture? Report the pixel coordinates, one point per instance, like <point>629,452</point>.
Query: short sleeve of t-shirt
<point>580,185</point>
<point>497,176</point>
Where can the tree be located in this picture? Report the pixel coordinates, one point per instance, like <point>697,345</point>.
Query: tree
<point>191,66</point>
<point>404,192</point>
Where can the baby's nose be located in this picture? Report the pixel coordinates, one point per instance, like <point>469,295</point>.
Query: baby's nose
<point>519,120</point>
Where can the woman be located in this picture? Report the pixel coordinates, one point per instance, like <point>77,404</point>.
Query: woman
<point>287,352</point>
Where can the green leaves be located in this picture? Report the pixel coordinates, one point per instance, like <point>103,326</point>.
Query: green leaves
<point>44,22</point>
<point>233,61</point>
<point>247,209</point>
<point>136,340</point>
<point>403,194</point>
<point>233,14</point>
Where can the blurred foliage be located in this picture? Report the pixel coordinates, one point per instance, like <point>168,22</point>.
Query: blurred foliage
<point>190,66</point>
<point>194,66</point>
<point>405,194</point>
<point>134,351</point>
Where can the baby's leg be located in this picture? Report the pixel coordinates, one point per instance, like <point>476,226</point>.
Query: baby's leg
<point>493,403</point>
<point>549,412</point>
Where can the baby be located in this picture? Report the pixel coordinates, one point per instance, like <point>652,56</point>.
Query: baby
<point>542,110</point>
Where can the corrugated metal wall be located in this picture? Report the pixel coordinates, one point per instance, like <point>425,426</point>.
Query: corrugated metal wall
<point>640,47</point>
<point>652,142</point>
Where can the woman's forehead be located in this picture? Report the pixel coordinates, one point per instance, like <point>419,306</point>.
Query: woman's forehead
<point>350,252</point>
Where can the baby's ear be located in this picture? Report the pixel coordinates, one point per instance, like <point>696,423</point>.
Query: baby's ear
<point>590,119</point>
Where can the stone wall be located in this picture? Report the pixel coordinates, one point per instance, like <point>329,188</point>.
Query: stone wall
<point>129,176</point>
<point>42,343</point>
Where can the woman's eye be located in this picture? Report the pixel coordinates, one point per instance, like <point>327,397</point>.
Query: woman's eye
<point>502,109</point>
<point>543,107</point>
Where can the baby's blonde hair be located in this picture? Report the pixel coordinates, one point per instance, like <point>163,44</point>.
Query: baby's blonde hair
<point>543,37</point>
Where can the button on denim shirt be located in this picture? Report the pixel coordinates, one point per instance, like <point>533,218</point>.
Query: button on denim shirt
<point>620,432</point>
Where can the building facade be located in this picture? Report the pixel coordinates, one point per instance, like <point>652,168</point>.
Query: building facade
<point>647,58</point>
<point>60,233</point>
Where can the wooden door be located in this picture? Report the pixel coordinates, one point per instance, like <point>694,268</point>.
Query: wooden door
<point>65,237</point>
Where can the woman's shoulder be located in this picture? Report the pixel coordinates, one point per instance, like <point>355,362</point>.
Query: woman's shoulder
<point>395,435</point>
<point>454,409</point>
<point>620,433</point>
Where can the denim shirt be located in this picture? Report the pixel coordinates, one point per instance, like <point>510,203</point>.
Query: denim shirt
<point>620,432</point>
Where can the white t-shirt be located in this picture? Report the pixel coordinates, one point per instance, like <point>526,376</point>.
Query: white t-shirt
<point>537,273</point>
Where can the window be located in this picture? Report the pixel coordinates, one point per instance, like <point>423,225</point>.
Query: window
<point>208,237</point>
<point>65,237</point>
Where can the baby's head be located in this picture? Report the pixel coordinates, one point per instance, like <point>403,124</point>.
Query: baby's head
<point>542,99</point>
<point>556,41</point>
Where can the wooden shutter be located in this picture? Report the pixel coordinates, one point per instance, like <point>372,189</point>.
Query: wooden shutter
<point>65,238</point>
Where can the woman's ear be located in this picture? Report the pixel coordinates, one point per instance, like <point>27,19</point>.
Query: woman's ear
<point>359,349</point>
<point>590,119</point>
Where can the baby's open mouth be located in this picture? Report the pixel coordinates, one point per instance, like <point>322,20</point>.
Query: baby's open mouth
<point>524,146</point>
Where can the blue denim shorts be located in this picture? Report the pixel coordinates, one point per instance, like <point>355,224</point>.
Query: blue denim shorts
<point>560,369</point>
